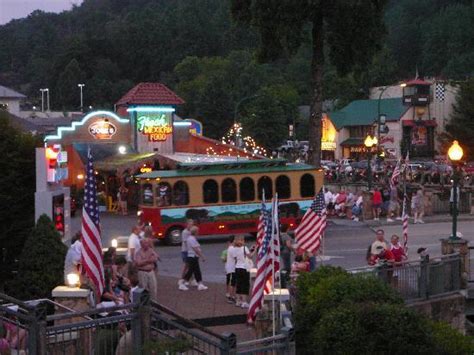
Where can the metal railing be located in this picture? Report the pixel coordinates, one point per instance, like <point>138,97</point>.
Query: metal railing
<point>421,279</point>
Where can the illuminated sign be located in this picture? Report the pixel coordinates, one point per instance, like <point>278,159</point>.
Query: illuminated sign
<point>56,161</point>
<point>102,129</point>
<point>328,137</point>
<point>157,126</point>
<point>145,169</point>
<point>362,149</point>
<point>328,145</point>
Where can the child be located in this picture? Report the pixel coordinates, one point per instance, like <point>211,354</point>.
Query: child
<point>229,270</point>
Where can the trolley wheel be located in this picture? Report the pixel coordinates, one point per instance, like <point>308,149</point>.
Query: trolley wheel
<point>173,237</point>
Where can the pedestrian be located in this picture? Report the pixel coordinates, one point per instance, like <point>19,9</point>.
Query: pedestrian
<point>357,207</point>
<point>229,270</point>
<point>418,206</point>
<point>145,262</point>
<point>376,247</point>
<point>184,253</point>
<point>133,247</point>
<point>376,204</point>
<point>397,249</point>
<point>328,198</point>
<point>241,254</point>
<point>194,252</point>
<point>72,263</point>
<point>394,205</point>
<point>286,249</point>
<point>340,204</point>
<point>123,199</point>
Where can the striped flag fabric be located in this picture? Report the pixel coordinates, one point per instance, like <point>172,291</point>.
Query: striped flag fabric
<point>405,224</point>
<point>313,224</point>
<point>91,240</point>
<point>272,278</point>
<point>264,268</point>
<point>261,222</point>
<point>396,174</point>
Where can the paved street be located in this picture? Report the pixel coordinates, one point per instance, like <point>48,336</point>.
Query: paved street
<point>345,243</point>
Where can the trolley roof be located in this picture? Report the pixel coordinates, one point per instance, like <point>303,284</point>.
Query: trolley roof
<point>228,168</point>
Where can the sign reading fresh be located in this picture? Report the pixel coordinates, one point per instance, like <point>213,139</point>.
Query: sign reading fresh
<point>157,126</point>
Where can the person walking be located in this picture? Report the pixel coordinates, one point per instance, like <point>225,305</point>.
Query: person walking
<point>123,199</point>
<point>184,253</point>
<point>145,262</point>
<point>241,254</point>
<point>376,204</point>
<point>229,270</point>
<point>133,246</point>
<point>394,205</point>
<point>194,252</point>
<point>418,207</point>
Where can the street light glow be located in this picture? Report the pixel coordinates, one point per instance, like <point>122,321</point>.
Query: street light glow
<point>122,149</point>
<point>455,152</point>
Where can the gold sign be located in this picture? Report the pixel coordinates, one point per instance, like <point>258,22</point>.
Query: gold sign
<point>328,138</point>
<point>102,129</point>
<point>145,169</point>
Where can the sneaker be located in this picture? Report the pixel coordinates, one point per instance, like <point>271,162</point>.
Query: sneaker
<point>183,287</point>
<point>193,283</point>
<point>244,305</point>
<point>399,218</point>
<point>180,281</point>
<point>356,219</point>
<point>186,283</point>
<point>421,221</point>
<point>202,287</point>
<point>390,220</point>
<point>238,304</point>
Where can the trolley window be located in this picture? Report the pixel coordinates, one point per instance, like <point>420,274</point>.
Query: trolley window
<point>180,193</point>
<point>283,187</point>
<point>307,186</point>
<point>147,194</point>
<point>163,194</point>
<point>229,190</point>
<point>247,189</point>
<point>210,191</point>
<point>265,183</point>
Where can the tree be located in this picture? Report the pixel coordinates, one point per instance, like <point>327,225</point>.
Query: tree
<point>41,262</point>
<point>348,31</point>
<point>67,89</point>
<point>17,189</point>
<point>461,124</point>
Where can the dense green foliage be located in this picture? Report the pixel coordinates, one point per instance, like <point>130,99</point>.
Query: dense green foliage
<point>17,194</point>
<point>340,313</point>
<point>41,263</point>
<point>196,48</point>
<point>461,123</point>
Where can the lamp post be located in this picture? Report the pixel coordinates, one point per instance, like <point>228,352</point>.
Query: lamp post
<point>81,86</point>
<point>455,154</point>
<point>42,99</point>
<point>369,142</point>
<point>47,99</point>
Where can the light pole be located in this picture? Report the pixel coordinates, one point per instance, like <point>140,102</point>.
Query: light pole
<point>81,86</point>
<point>455,154</point>
<point>47,98</point>
<point>369,142</point>
<point>42,99</point>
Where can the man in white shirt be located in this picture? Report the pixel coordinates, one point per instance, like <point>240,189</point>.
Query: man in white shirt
<point>73,257</point>
<point>133,244</point>
<point>184,252</point>
<point>194,253</point>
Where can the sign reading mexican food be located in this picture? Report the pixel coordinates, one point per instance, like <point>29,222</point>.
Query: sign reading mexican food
<point>157,126</point>
<point>102,129</point>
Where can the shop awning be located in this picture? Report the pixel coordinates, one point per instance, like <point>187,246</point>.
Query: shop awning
<point>353,141</point>
<point>122,162</point>
<point>424,123</point>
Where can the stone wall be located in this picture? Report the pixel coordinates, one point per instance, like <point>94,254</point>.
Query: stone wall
<point>450,309</point>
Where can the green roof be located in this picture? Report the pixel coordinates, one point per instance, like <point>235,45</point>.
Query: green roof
<point>353,141</point>
<point>364,112</point>
<point>265,166</point>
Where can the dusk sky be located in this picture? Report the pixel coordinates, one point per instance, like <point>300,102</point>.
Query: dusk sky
<point>14,9</point>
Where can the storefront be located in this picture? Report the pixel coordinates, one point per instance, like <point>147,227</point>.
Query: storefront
<point>354,148</point>
<point>418,137</point>
<point>328,139</point>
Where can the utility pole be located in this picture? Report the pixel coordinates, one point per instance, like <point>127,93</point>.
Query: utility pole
<point>81,86</point>
<point>42,99</point>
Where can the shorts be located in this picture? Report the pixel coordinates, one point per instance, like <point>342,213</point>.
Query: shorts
<point>184,256</point>
<point>242,282</point>
<point>230,279</point>
<point>393,206</point>
<point>376,205</point>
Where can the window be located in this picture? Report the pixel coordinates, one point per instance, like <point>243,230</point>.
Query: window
<point>247,189</point>
<point>229,190</point>
<point>180,193</point>
<point>163,195</point>
<point>283,187</point>
<point>210,191</point>
<point>147,194</point>
<point>307,185</point>
<point>265,183</point>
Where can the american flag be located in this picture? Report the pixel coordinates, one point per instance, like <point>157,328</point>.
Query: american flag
<point>261,222</point>
<point>405,224</point>
<point>312,226</point>
<point>396,174</point>
<point>91,241</point>
<point>274,248</point>
<point>264,268</point>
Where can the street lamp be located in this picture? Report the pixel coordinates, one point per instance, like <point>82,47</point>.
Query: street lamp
<point>42,99</point>
<point>47,99</point>
<point>81,86</point>
<point>369,142</point>
<point>455,154</point>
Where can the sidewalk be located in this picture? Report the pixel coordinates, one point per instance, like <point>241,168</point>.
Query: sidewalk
<point>201,305</point>
<point>437,218</point>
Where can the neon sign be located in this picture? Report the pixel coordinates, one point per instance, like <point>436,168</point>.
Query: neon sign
<point>102,129</point>
<point>154,125</point>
